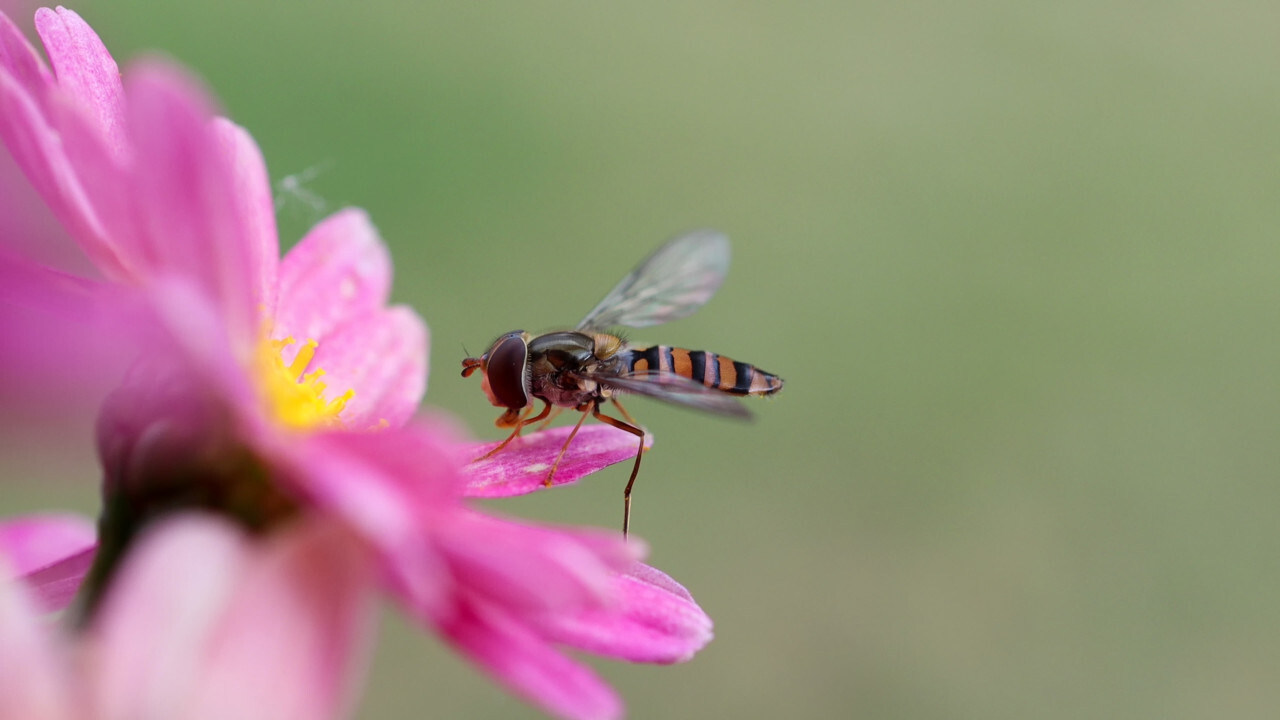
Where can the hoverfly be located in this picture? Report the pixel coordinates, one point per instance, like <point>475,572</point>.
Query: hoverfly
<point>585,367</point>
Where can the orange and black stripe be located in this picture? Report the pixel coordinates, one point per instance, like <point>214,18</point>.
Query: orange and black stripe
<point>715,371</point>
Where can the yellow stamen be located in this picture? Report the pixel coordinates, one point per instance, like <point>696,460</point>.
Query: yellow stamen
<point>297,399</point>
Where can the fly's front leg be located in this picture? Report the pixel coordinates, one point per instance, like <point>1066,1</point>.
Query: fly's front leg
<point>507,420</point>
<point>554,413</point>
<point>626,494</point>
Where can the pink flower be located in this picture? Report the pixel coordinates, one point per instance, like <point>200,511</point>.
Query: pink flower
<point>268,391</point>
<point>202,623</point>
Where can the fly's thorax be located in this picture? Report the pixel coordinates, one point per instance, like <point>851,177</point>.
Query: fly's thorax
<point>563,350</point>
<point>560,366</point>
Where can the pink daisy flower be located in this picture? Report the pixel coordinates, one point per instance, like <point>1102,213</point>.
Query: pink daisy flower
<point>267,390</point>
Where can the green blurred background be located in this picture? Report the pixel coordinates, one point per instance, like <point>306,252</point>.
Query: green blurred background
<point>1017,262</point>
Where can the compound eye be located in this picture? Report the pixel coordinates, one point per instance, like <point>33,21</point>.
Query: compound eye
<point>504,370</point>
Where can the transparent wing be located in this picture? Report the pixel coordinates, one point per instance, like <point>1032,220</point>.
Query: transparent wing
<point>678,278</point>
<point>677,390</point>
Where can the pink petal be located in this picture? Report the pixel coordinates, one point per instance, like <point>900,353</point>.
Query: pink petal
<point>520,659</point>
<point>421,458</point>
<point>657,621</point>
<point>196,334</point>
<point>52,553</point>
<point>86,71</point>
<point>535,569</point>
<point>522,466</point>
<point>31,230</point>
<point>56,584</point>
<point>340,270</point>
<point>203,623</point>
<point>38,149</point>
<point>160,610</point>
<point>382,356</point>
<point>293,642</point>
<point>35,541</point>
<point>65,341</point>
<point>34,682</point>
<point>177,401</point>
<point>256,212</point>
<point>350,487</point>
<point>163,428</point>
<point>388,487</point>
<point>191,222</point>
<point>60,141</point>
<point>104,182</point>
<point>20,60</point>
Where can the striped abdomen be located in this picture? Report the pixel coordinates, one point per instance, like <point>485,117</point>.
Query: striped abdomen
<point>715,371</point>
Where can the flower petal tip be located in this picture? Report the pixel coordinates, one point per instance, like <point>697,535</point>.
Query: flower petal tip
<point>656,621</point>
<point>51,554</point>
<point>35,541</point>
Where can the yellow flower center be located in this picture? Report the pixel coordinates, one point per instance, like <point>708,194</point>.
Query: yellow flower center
<point>295,396</point>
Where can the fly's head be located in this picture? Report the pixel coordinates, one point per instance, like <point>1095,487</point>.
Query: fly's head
<point>504,370</point>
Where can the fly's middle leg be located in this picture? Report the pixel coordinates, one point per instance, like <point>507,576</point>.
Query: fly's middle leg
<point>547,482</point>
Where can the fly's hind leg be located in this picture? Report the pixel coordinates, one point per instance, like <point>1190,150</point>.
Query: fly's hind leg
<point>510,418</point>
<point>631,428</point>
<point>625,415</point>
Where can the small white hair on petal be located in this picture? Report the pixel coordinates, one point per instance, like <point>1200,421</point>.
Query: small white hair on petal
<point>292,192</point>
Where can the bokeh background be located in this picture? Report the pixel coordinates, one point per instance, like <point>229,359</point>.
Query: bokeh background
<point>1017,262</point>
